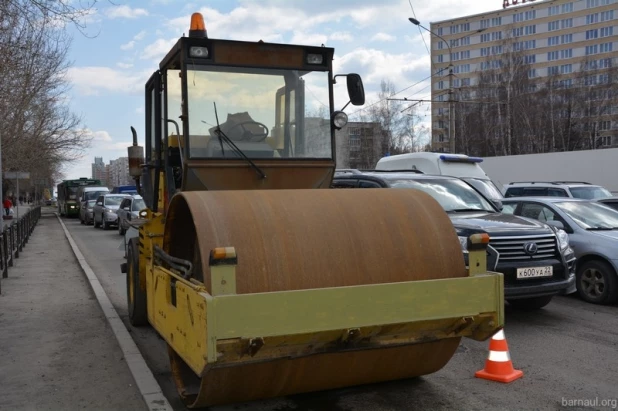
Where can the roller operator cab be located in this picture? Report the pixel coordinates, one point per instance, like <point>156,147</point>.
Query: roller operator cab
<point>243,259</point>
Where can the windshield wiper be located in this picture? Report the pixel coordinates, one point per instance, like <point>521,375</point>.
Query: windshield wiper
<point>229,141</point>
<point>463,210</point>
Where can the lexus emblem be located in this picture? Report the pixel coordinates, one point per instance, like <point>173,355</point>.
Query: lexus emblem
<point>531,248</point>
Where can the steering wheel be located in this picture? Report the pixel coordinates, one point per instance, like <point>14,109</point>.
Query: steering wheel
<point>247,134</point>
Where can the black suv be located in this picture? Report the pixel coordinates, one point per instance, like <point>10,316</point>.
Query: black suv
<point>535,258</point>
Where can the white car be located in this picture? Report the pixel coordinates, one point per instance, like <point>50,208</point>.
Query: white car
<point>104,210</point>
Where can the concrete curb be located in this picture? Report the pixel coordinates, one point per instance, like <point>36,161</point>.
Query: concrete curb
<point>146,383</point>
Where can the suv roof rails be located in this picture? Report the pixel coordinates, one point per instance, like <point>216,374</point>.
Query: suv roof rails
<point>572,182</point>
<point>548,182</point>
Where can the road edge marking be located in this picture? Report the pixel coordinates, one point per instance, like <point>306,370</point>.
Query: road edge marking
<point>149,388</point>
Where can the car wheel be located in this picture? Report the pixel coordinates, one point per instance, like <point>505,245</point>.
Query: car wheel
<point>597,282</point>
<point>532,303</point>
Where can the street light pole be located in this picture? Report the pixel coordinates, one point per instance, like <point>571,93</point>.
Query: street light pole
<point>451,117</point>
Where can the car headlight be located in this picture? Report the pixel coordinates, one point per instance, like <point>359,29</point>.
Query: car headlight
<point>463,241</point>
<point>563,239</point>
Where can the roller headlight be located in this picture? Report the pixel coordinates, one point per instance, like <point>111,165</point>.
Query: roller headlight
<point>340,119</point>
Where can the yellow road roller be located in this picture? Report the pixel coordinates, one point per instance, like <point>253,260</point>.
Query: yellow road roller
<point>262,280</point>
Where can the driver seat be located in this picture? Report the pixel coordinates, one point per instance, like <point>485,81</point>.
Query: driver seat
<point>244,132</point>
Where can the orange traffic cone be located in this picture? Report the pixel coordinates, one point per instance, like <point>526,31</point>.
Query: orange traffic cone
<point>498,366</point>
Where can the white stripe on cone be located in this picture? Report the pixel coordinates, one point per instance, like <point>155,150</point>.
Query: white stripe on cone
<point>499,335</point>
<point>499,356</point>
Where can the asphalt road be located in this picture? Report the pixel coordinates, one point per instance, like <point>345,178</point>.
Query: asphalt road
<point>567,351</point>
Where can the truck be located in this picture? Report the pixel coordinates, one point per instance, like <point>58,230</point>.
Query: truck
<point>593,166</point>
<point>68,204</point>
<point>257,275</point>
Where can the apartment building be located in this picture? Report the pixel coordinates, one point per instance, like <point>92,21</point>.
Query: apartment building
<point>99,170</point>
<point>118,172</point>
<point>359,145</point>
<point>560,39</point>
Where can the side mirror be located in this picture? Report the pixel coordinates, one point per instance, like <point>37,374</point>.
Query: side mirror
<point>356,90</point>
<point>554,223</point>
<point>126,208</point>
<point>498,204</point>
<point>99,203</point>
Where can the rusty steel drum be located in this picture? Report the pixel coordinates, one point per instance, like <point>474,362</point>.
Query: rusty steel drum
<point>304,239</point>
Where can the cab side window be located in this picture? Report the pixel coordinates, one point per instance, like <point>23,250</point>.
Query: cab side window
<point>509,208</point>
<point>344,184</point>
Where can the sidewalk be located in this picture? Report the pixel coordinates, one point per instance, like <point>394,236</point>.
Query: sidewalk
<point>57,351</point>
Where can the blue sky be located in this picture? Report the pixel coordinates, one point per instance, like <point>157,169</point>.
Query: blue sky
<point>124,41</point>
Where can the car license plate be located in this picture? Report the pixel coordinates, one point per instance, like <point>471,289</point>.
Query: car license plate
<point>533,272</point>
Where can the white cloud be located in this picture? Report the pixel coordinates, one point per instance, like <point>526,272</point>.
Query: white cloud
<point>125,12</point>
<point>309,39</point>
<point>127,46</point>
<point>124,65</point>
<point>139,110</point>
<point>158,49</point>
<point>383,37</point>
<point>341,36</point>
<point>93,80</point>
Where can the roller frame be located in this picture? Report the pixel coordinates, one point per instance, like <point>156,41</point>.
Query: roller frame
<point>226,329</point>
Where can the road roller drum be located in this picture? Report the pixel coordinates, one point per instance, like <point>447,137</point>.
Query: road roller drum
<point>306,239</point>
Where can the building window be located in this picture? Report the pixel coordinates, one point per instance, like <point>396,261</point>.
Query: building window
<point>530,30</point>
<point>496,21</point>
<point>594,49</point>
<point>604,125</point>
<point>592,3</point>
<point>607,31</point>
<point>605,63</point>
<point>567,8</point>
<point>440,58</point>
<point>553,41</point>
<point>465,82</point>
<point>552,55</point>
<point>566,53</point>
<point>496,50</point>
<point>532,73</point>
<point>441,138</point>
<point>552,70</point>
<point>530,58</point>
<point>465,54</point>
<point>440,85</point>
<point>554,10</point>
<point>440,31</point>
<point>518,31</point>
<point>607,15</point>
<point>592,34</point>
<point>496,35</point>
<point>485,38</point>
<point>553,25</point>
<point>465,27</point>
<point>566,23</point>
<point>566,38</point>
<point>485,51</point>
<point>605,140</point>
<point>485,24</point>
<point>606,47</point>
<point>566,69</point>
<point>592,18</point>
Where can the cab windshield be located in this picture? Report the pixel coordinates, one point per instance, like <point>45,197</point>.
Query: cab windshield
<point>266,113</point>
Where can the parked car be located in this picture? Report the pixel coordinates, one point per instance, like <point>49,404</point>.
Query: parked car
<point>456,165</point>
<point>574,189</point>
<point>609,201</point>
<point>129,210</point>
<point>593,234</point>
<point>535,259</point>
<point>104,210</point>
<point>86,213</point>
